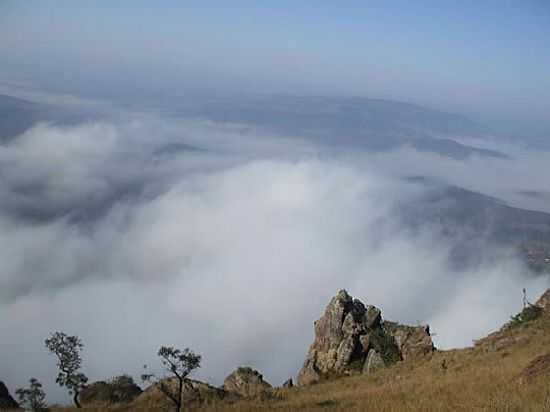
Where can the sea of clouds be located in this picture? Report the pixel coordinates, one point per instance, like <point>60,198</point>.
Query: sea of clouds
<point>229,240</point>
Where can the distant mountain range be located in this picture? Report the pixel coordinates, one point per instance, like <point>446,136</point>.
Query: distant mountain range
<point>472,220</point>
<point>476,223</point>
<point>369,124</point>
<point>18,115</point>
<point>372,124</point>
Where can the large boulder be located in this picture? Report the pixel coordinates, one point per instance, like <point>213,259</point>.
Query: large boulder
<point>352,337</point>
<point>412,341</point>
<point>6,401</point>
<point>119,389</point>
<point>246,382</point>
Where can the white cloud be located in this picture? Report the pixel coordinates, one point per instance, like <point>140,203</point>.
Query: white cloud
<point>234,254</point>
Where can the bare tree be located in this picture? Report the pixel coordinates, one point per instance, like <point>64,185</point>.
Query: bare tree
<point>32,398</point>
<point>67,349</point>
<point>178,364</point>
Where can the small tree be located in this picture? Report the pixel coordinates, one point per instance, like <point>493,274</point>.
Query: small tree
<point>67,349</point>
<point>32,398</point>
<point>179,364</point>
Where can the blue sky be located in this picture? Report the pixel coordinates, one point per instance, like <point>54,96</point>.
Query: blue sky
<point>488,58</point>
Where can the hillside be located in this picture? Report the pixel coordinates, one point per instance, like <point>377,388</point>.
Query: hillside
<point>19,115</point>
<point>496,374</point>
<point>473,220</point>
<point>371,124</point>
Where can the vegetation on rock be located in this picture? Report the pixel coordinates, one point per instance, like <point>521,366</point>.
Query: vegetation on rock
<point>528,314</point>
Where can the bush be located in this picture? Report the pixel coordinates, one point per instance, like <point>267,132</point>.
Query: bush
<point>528,314</point>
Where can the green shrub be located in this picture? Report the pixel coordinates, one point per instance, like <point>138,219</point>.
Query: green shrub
<point>528,314</point>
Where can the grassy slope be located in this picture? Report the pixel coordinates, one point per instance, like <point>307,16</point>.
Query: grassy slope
<point>482,378</point>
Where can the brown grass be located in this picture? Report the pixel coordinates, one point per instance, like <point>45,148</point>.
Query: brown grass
<point>482,378</point>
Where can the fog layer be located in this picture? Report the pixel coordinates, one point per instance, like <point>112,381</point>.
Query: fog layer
<point>219,238</point>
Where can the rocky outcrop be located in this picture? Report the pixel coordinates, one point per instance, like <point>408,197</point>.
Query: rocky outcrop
<point>6,401</point>
<point>119,389</point>
<point>246,382</point>
<point>194,393</point>
<point>352,337</point>
<point>412,341</point>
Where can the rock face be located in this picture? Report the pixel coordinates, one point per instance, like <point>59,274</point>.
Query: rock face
<point>246,382</point>
<point>412,341</point>
<point>374,361</point>
<point>6,401</point>
<point>351,336</point>
<point>119,389</point>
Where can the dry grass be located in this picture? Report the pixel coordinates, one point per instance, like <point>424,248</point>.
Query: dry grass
<point>483,378</point>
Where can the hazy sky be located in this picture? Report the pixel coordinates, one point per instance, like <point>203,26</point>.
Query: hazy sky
<point>488,59</point>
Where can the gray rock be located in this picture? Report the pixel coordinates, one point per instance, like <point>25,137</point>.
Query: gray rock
<point>364,340</point>
<point>374,361</point>
<point>345,352</point>
<point>412,341</point>
<point>373,316</point>
<point>288,383</point>
<point>347,332</point>
<point>246,382</point>
<point>308,375</point>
